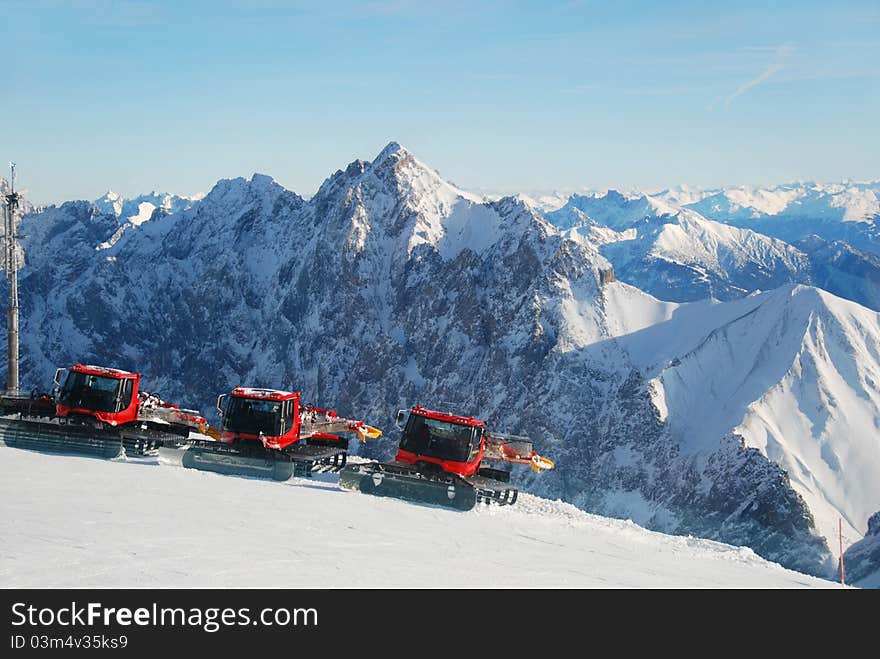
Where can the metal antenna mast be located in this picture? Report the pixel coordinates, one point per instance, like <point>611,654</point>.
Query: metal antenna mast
<point>10,235</point>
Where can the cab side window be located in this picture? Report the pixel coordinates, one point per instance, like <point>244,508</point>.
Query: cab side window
<point>287,416</point>
<point>125,394</point>
<point>476,439</point>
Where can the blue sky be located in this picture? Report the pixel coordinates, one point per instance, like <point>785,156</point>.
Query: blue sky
<point>140,95</point>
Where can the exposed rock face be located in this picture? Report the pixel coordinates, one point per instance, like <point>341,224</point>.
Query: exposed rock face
<point>862,560</point>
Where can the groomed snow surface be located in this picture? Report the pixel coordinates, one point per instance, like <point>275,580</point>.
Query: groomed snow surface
<point>81,522</point>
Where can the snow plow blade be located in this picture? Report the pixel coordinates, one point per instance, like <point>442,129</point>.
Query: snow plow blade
<point>402,482</point>
<point>258,462</point>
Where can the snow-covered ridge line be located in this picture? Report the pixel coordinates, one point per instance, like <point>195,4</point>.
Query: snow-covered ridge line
<point>846,200</point>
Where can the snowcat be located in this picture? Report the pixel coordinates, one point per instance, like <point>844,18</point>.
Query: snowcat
<point>440,461</point>
<point>268,433</point>
<point>95,411</point>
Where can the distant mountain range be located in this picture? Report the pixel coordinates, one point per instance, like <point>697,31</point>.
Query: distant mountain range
<point>677,253</point>
<point>685,366</point>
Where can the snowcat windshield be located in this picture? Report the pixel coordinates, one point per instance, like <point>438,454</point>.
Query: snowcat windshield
<point>437,439</point>
<point>252,416</point>
<point>95,392</point>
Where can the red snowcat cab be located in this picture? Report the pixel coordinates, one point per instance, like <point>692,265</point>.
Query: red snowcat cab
<point>440,460</point>
<point>96,411</point>
<point>271,434</point>
<point>107,395</point>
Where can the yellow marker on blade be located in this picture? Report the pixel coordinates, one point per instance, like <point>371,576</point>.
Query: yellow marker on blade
<point>539,463</point>
<point>365,431</point>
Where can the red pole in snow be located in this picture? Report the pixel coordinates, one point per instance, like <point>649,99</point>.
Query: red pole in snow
<point>842,572</point>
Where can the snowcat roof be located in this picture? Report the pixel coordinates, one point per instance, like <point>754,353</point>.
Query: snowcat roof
<point>263,394</point>
<point>418,410</point>
<point>90,369</point>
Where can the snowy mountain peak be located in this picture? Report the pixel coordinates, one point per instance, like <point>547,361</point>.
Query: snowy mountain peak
<point>233,205</point>
<point>392,149</point>
<point>397,197</point>
<point>401,168</point>
<point>257,186</point>
<point>393,170</point>
<point>263,180</point>
<point>611,208</point>
<point>613,197</point>
<point>110,203</point>
<point>137,210</point>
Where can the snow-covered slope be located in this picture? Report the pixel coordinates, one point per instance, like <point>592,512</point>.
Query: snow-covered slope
<point>795,373</point>
<point>390,287</point>
<point>69,522</point>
